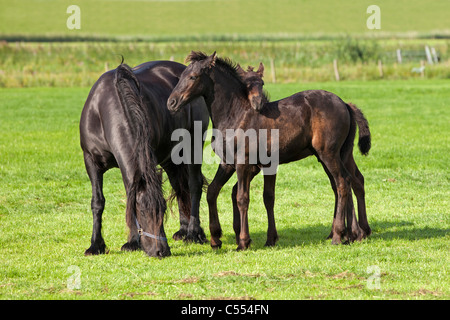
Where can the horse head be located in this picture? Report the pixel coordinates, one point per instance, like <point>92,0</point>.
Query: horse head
<point>254,83</point>
<point>194,81</point>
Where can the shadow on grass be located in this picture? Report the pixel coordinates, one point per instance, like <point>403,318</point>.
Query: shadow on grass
<point>313,235</point>
<point>318,233</point>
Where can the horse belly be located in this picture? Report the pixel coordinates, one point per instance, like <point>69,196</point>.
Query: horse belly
<point>293,154</point>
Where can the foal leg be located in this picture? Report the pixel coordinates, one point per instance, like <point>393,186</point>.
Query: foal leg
<point>333,186</point>
<point>243,200</point>
<point>358,189</point>
<point>236,215</point>
<point>97,205</point>
<point>269,201</point>
<point>344,206</point>
<point>223,174</point>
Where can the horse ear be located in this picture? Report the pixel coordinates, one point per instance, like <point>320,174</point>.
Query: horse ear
<point>260,71</point>
<point>240,71</point>
<point>212,60</point>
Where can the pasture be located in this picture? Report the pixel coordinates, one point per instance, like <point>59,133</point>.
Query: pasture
<point>218,19</point>
<point>46,71</point>
<point>46,221</point>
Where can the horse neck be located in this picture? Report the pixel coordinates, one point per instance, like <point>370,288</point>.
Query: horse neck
<point>229,102</point>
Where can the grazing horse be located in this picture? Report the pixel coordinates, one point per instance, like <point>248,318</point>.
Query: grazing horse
<point>313,122</point>
<point>125,123</point>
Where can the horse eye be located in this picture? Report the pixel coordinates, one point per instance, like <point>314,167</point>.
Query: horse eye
<point>193,78</point>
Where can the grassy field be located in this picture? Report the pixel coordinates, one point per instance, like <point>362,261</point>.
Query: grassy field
<point>46,71</point>
<point>221,18</point>
<point>46,221</point>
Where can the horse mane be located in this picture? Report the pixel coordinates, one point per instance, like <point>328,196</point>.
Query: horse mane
<point>227,66</point>
<point>146,186</point>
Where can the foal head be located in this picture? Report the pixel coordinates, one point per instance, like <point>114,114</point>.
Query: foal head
<point>194,81</point>
<point>254,83</point>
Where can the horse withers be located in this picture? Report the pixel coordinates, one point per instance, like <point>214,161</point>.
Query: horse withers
<point>313,122</point>
<point>125,123</point>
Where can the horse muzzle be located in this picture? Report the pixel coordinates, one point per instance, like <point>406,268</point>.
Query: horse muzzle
<point>174,103</point>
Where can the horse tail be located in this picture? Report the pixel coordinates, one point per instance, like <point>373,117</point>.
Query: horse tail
<point>347,147</point>
<point>364,142</point>
<point>146,185</point>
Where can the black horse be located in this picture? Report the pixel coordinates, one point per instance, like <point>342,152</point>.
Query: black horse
<point>313,122</point>
<point>125,123</point>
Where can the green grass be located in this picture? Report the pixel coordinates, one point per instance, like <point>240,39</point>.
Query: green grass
<point>46,221</point>
<point>181,19</point>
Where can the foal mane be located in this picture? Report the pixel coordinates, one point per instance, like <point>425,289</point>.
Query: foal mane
<point>225,64</point>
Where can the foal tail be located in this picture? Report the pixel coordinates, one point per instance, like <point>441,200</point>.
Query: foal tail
<point>146,186</point>
<point>364,142</point>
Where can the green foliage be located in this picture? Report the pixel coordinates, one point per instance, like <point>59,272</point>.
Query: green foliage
<point>58,64</point>
<point>46,221</point>
<point>354,50</point>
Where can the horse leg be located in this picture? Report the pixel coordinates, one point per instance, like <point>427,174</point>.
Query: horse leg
<point>358,189</point>
<point>178,180</point>
<point>236,215</point>
<point>223,174</point>
<point>195,232</point>
<point>342,179</point>
<point>97,205</point>
<point>333,186</point>
<point>269,201</point>
<point>184,222</point>
<point>243,200</point>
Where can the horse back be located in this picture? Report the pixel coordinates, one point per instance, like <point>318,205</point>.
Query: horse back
<point>93,141</point>
<point>305,121</point>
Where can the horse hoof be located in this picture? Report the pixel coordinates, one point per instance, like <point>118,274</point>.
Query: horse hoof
<point>272,242</point>
<point>93,251</point>
<point>130,246</point>
<point>216,243</point>
<point>179,235</point>
<point>196,237</point>
<point>243,245</point>
<point>336,241</point>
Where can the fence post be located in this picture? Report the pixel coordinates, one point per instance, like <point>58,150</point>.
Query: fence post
<point>435,57</point>
<point>428,53</point>
<point>272,70</point>
<point>380,68</point>
<point>399,56</point>
<point>336,71</point>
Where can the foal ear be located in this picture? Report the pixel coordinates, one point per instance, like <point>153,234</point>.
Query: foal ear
<point>240,71</point>
<point>260,71</point>
<point>212,60</point>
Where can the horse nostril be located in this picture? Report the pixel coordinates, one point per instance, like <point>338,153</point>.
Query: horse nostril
<point>172,103</point>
